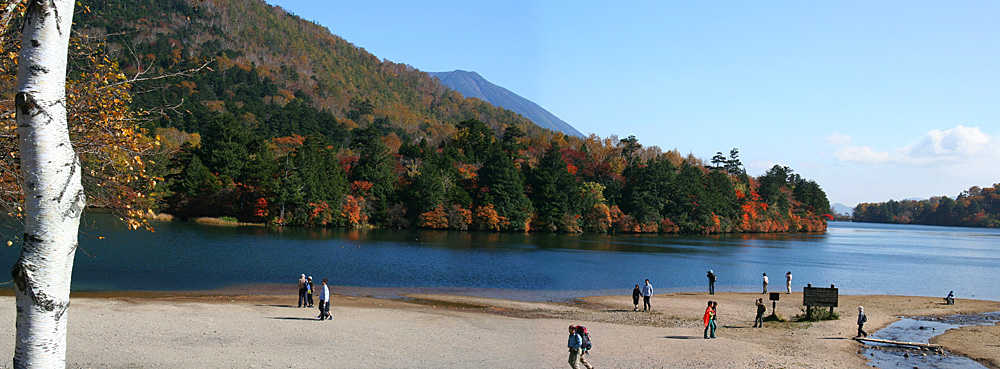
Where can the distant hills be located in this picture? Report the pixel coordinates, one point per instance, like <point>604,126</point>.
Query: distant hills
<point>471,84</point>
<point>842,209</point>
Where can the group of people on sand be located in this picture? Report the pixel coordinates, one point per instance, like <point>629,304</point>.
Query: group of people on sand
<point>306,296</point>
<point>712,278</point>
<point>788,282</point>
<point>645,292</point>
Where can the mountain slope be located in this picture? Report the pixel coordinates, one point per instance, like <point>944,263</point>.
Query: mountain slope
<point>471,84</point>
<point>266,59</point>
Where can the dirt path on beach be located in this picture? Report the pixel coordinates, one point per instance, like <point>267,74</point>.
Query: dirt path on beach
<point>444,331</point>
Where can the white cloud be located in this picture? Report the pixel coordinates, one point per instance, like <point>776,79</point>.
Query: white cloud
<point>954,145</point>
<point>839,139</point>
<point>957,142</point>
<point>762,164</point>
<point>861,154</point>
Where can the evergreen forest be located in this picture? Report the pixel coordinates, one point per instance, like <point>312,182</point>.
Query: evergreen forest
<point>286,124</point>
<point>975,207</point>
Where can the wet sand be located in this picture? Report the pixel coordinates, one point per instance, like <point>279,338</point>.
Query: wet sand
<point>215,330</point>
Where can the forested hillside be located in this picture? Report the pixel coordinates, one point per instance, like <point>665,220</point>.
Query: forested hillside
<point>278,73</point>
<point>975,207</point>
<point>290,125</point>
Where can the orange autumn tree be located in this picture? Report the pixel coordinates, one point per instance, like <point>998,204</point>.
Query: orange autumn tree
<point>103,129</point>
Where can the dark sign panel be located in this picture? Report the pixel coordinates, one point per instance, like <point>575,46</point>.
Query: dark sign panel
<point>818,296</point>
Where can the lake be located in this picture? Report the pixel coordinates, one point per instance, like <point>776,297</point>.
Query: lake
<point>859,258</point>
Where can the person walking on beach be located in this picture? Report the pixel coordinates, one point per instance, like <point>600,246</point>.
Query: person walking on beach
<point>765,283</point>
<point>309,290</point>
<point>862,319</point>
<point>715,317</point>
<point>636,293</point>
<point>302,291</point>
<point>758,322</point>
<point>788,281</point>
<point>574,344</point>
<point>647,291</point>
<point>584,346</point>
<point>709,321</point>
<point>324,302</point>
<point>711,282</point>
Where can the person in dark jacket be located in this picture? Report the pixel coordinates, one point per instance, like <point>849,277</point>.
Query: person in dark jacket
<point>758,322</point>
<point>302,291</point>
<point>636,294</point>
<point>862,319</point>
<point>711,283</point>
<point>309,290</point>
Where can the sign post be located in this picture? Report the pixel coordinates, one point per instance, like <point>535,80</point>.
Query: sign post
<point>774,297</point>
<point>819,296</point>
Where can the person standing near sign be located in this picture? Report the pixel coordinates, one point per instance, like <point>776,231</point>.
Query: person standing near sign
<point>765,283</point>
<point>862,319</point>
<point>758,322</point>
<point>788,281</point>
<point>711,282</point>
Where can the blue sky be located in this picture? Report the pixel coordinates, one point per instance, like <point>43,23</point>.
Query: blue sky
<point>873,100</point>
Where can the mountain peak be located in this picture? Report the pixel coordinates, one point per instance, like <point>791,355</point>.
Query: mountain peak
<point>471,84</point>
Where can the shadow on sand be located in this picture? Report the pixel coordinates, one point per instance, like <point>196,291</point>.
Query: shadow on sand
<point>293,318</point>
<point>278,306</point>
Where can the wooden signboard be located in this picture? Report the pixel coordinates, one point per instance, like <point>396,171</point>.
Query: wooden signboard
<point>819,296</point>
<point>774,296</point>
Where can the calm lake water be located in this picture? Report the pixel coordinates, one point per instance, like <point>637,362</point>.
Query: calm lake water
<point>859,258</point>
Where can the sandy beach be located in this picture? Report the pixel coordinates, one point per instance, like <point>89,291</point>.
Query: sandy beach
<point>445,331</point>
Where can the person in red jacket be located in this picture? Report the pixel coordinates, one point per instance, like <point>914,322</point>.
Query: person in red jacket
<point>709,320</point>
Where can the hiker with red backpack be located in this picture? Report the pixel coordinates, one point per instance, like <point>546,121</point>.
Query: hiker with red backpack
<point>585,347</point>
<point>579,344</point>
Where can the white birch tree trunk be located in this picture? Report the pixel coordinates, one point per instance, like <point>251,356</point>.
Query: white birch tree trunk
<point>53,195</point>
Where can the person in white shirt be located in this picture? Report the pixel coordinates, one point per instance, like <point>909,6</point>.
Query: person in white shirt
<point>765,283</point>
<point>324,302</point>
<point>788,281</point>
<point>647,291</point>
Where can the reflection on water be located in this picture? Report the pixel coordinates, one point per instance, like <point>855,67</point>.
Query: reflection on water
<point>858,258</point>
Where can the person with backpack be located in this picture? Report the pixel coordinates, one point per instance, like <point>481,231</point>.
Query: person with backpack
<point>862,319</point>
<point>575,343</point>
<point>636,293</point>
<point>758,322</point>
<point>585,346</point>
<point>711,282</point>
<point>309,290</point>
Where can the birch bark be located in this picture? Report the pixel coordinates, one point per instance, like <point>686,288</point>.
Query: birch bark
<point>53,194</point>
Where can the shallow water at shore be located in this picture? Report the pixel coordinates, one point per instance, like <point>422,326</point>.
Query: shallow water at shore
<point>921,330</point>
